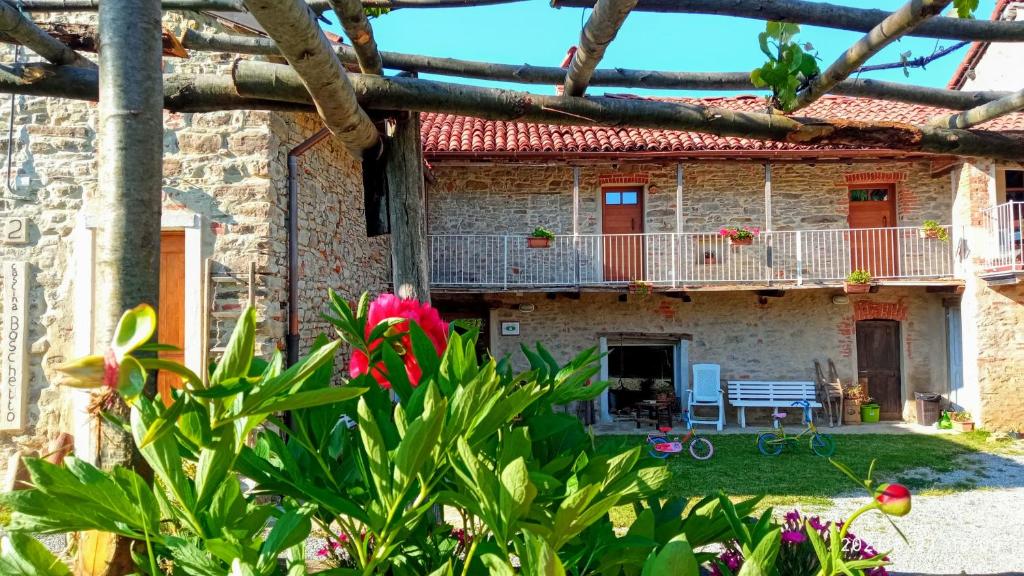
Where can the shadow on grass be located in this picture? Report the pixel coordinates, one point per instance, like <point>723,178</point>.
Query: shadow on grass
<point>797,475</point>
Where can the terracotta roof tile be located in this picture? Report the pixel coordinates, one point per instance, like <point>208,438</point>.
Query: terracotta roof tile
<point>453,133</point>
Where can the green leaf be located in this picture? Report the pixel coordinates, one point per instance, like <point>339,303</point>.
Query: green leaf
<point>762,561</point>
<point>23,555</point>
<point>517,493</point>
<point>186,375</point>
<point>134,329</point>
<point>162,455</point>
<point>214,466</point>
<point>396,374</point>
<point>165,422</point>
<point>309,399</point>
<point>376,452</point>
<point>291,377</point>
<point>675,558</point>
<point>131,378</point>
<point>240,349</point>
<point>290,529</point>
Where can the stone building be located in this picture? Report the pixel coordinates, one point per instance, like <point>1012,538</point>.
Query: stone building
<point>225,206</point>
<point>639,269</point>
<point>990,204</point>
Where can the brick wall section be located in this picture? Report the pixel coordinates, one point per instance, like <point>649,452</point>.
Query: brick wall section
<point>515,199</point>
<point>777,340</point>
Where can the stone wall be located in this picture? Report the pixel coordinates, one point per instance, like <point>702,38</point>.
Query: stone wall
<point>992,313</point>
<point>334,251</point>
<point>229,168</point>
<point>510,199</point>
<point>778,338</point>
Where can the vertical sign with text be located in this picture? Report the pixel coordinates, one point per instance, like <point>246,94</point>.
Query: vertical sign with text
<point>14,380</point>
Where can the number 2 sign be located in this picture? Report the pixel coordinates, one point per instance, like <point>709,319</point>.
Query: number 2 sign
<point>15,230</point>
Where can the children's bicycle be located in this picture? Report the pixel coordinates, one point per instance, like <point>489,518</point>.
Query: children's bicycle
<point>771,442</point>
<point>662,446</point>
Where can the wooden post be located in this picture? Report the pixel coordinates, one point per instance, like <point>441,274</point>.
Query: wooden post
<point>128,236</point>
<point>406,209</point>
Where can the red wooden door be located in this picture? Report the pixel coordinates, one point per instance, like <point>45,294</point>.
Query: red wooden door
<point>171,315</point>
<point>622,217</point>
<point>873,238</point>
<point>878,361</point>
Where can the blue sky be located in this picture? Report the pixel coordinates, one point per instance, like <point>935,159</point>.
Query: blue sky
<point>534,33</point>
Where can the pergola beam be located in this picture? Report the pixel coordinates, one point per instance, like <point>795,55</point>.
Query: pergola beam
<point>265,80</point>
<point>606,77</point>
<point>989,111</point>
<point>15,25</point>
<point>900,22</point>
<point>353,19</point>
<point>599,31</point>
<point>826,15</point>
<point>304,45</point>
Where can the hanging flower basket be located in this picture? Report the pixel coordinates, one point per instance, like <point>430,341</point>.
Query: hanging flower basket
<point>540,238</point>
<point>740,235</point>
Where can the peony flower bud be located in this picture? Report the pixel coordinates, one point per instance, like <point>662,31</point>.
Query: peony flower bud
<point>893,499</point>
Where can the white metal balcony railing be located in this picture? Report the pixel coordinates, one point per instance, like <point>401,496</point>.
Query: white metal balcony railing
<point>669,259</point>
<point>1005,251</point>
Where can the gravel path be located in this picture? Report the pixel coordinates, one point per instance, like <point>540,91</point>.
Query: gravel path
<point>975,531</point>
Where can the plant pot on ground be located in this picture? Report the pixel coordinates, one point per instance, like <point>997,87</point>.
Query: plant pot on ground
<point>962,421</point>
<point>540,238</point>
<point>858,282</point>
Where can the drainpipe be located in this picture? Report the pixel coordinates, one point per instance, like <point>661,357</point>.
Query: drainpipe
<point>292,339</point>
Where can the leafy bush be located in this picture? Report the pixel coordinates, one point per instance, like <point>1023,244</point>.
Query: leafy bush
<point>933,230</point>
<point>530,490</point>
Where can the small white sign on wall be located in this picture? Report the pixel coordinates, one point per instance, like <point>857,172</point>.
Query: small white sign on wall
<point>14,378</point>
<point>510,328</point>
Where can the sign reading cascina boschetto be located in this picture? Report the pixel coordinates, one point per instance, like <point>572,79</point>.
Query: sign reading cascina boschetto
<point>14,381</point>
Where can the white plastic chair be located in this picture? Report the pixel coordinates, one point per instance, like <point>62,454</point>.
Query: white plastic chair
<point>705,392</point>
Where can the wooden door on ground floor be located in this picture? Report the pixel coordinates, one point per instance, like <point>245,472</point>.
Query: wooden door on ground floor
<point>171,313</point>
<point>878,364</point>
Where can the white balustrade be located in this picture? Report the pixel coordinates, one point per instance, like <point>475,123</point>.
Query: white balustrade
<point>1004,251</point>
<point>680,260</point>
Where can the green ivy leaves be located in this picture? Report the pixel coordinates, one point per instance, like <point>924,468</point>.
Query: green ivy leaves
<point>789,64</point>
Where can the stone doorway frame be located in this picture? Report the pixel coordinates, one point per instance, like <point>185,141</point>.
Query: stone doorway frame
<point>83,243</point>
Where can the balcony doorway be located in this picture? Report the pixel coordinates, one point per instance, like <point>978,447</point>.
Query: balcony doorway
<point>872,221</point>
<point>622,223</point>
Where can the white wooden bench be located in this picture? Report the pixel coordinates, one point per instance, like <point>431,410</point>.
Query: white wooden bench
<point>745,394</point>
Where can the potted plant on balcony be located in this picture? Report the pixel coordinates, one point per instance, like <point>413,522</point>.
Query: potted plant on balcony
<point>709,257</point>
<point>540,238</point>
<point>962,421</point>
<point>858,282</point>
<point>639,288</point>
<point>740,235</point>
<point>931,229</point>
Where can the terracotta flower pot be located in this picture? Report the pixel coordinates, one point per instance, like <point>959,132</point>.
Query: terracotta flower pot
<point>851,288</point>
<point>741,241</point>
<point>963,426</point>
<point>710,260</point>
<point>930,233</point>
<point>538,242</point>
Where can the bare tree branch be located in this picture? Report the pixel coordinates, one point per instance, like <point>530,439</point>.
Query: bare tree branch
<point>253,79</point>
<point>900,22</point>
<point>826,15</point>
<point>262,85</point>
<point>220,42</point>
<point>318,6</point>
<point>353,19</point>
<point>25,32</point>
<point>291,24</point>
<point>597,34</point>
<point>989,111</point>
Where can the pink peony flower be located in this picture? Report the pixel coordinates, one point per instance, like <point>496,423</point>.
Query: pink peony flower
<point>390,306</point>
<point>893,499</point>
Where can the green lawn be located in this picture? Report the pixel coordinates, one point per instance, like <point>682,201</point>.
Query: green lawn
<point>798,476</point>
